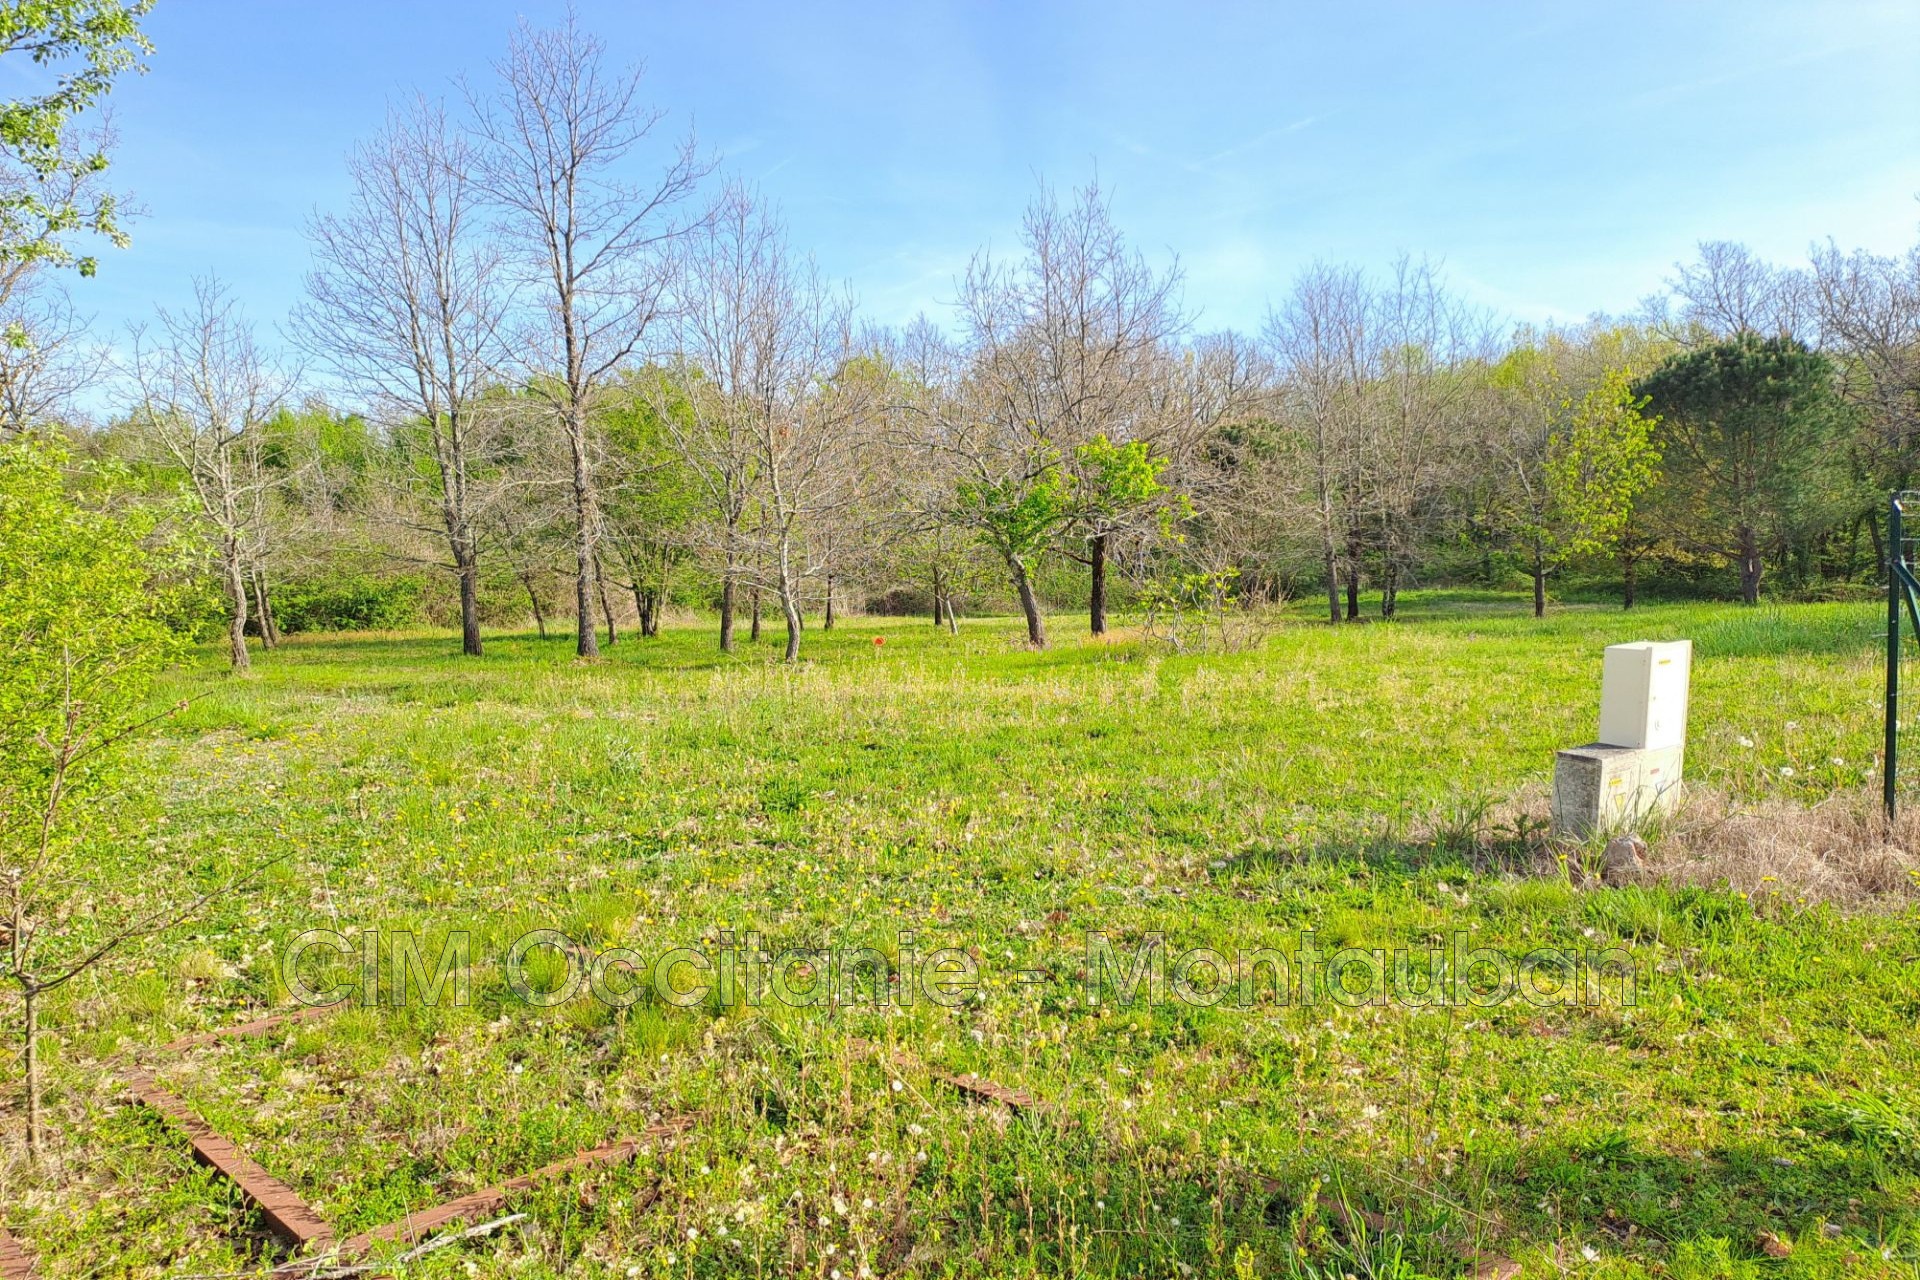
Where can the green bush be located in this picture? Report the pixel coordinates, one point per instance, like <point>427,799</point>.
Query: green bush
<point>348,604</point>
<point>1840,593</point>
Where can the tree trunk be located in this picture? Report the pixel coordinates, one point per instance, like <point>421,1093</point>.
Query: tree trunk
<point>1029,604</point>
<point>586,533</point>
<point>827,625</point>
<point>1097,592</point>
<point>953,618</point>
<point>269,634</point>
<point>606,606</point>
<point>1539,586</point>
<point>1874,532</point>
<point>586,631</point>
<point>789,595</point>
<point>469,604</point>
<point>533,595</point>
<point>1390,594</point>
<point>237,600</point>
<point>1333,590</point>
<point>727,590</point>
<point>1750,565</point>
<point>649,603</point>
<point>1353,593</point>
<point>753,629</point>
<point>643,609</point>
<point>657,596</point>
<point>939,599</point>
<point>30,1066</point>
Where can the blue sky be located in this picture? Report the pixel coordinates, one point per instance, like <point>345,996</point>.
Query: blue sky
<point>1558,157</point>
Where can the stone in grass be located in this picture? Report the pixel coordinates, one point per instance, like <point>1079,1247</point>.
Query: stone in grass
<point>1624,861</point>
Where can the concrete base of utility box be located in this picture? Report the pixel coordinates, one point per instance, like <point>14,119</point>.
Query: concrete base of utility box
<point>1602,788</point>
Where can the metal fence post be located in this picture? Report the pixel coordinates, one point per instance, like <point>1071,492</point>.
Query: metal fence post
<point>1890,755</point>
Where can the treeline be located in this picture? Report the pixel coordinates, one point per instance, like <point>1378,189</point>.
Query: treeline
<point>591,380</point>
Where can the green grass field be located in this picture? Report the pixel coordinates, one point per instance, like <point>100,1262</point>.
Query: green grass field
<point>1360,783</point>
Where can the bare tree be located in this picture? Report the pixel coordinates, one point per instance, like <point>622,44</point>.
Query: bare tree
<point>1727,291</point>
<point>556,135</point>
<point>206,392</point>
<point>769,405</point>
<point>728,375</point>
<point>1322,344</point>
<point>46,356</point>
<point>1869,309</point>
<point>917,479</point>
<point>407,304</point>
<point>1419,409</point>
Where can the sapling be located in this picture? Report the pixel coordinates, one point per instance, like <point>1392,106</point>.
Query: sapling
<point>89,612</point>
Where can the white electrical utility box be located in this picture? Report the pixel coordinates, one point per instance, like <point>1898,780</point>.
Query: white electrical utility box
<point>1643,694</point>
<point>1633,772</point>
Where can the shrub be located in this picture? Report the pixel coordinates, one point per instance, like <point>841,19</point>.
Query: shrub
<point>348,604</point>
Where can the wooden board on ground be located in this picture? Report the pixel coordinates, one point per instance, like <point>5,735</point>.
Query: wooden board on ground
<point>416,1226</point>
<point>278,1204</point>
<point>257,1027</point>
<point>14,1262</point>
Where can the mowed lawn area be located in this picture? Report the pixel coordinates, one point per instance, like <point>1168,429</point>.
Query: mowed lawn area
<point>1375,784</point>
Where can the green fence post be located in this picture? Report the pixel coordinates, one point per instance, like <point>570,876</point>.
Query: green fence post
<point>1890,755</point>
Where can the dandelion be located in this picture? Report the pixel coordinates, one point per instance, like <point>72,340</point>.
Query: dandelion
<point>1786,771</point>
<point>1840,760</point>
<point>1745,741</point>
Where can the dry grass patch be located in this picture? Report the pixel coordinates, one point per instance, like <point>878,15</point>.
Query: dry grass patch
<point>1841,850</point>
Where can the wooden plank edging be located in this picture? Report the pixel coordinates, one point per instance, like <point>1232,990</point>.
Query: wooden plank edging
<point>257,1027</point>
<point>276,1202</point>
<point>416,1226</point>
<point>14,1262</point>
